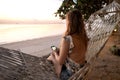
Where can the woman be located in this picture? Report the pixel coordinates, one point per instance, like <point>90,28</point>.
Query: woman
<point>73,44</point>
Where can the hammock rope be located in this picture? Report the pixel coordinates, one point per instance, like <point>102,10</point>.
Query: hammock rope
<point>102,27</point>
<point>99,27</point>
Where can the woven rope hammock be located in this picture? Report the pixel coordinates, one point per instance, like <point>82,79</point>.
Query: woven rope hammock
<point>98,27</point>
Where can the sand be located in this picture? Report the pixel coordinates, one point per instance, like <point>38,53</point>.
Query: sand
<point>107,65</point>
<point>36,47</point>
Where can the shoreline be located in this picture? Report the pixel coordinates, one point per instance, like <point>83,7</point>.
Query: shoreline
<point>15,33</point>
<point>30,39</point>
<point>106,63</point>
<point>36,47</point>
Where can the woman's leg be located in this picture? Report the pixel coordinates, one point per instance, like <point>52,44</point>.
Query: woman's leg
<point>57,66</point>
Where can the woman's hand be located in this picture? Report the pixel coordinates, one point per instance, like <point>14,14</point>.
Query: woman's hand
<point>57,66</point>
<point>52,56</point>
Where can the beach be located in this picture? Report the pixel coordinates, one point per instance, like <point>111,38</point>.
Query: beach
<point>36,47</point>
<point>36,50</point>
<point>33,39</point>
<point>106,66</point>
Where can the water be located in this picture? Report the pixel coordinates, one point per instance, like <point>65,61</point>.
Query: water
<point>17,32</point>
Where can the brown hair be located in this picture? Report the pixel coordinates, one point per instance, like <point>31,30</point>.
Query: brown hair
<point>76,25</point>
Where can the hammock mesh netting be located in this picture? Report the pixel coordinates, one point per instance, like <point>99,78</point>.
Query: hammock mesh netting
<point>99,27</point>
<point>19,66</point>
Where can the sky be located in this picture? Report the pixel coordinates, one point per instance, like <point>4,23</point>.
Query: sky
<point>29,9</point>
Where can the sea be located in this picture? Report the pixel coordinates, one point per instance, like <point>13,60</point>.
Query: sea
<point>20,32</point>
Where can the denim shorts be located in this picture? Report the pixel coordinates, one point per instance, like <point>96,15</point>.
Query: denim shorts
<point>69,68</point>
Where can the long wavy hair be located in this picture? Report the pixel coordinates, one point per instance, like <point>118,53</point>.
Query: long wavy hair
<point>75,25</point>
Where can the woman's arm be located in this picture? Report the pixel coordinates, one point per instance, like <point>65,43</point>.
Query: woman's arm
<point>58,59</point>
<point>64,50</point>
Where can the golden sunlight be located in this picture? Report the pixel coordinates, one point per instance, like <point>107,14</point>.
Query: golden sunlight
<point>29,9</point>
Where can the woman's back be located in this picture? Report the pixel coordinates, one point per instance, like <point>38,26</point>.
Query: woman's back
<point>79,49</point>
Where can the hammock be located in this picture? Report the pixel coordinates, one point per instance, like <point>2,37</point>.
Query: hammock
<point>12,64</point>
<point>98,27</point>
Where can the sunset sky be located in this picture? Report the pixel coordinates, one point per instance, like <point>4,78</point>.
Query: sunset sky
<point>29,9</point>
